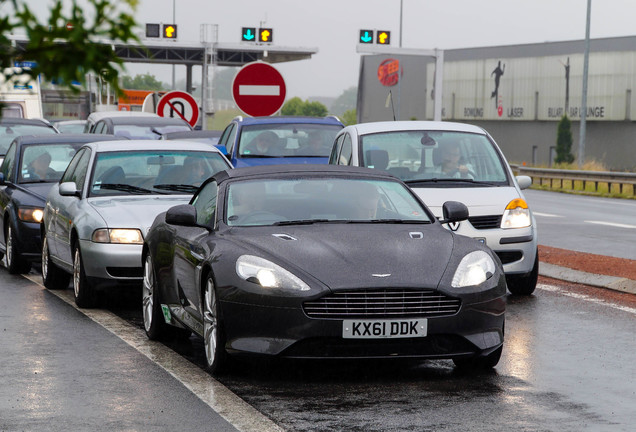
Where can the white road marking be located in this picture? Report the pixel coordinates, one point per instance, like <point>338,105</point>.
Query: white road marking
<point>587,298</point>
<point>612,224</point>
<point>228,405</point>
<point>550,215</point>
<point>259,90</point>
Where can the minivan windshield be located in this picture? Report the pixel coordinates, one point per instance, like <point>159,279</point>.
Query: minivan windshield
<point>434,155</point>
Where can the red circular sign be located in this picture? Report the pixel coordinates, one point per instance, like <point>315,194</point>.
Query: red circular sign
<point>259,89</point>
<point>180,105</point>
<point>389,72</point>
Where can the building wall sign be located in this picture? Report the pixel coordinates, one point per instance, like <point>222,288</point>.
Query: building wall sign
<point>537,88</point>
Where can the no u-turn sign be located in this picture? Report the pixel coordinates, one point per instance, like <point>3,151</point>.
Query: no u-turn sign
<point>180,105</point>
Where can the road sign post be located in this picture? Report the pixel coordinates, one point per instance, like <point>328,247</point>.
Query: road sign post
<point>259,89</point>
<point>180,105</point>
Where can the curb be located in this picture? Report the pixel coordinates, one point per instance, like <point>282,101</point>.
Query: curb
<point>596,280</point>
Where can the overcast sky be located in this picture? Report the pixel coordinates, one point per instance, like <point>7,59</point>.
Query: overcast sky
<point>332,27</point>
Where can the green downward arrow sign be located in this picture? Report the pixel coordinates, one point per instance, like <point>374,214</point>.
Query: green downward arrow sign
<point>248,35</point>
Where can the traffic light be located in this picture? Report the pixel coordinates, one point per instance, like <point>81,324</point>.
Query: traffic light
<point>366,37</point>
<point>153,30</point>
<point>169,31</point>
<point>383,38</point>
<point>248,34</point>
<point>266,35</point>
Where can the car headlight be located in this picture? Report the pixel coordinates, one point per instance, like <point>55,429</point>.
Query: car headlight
<point>30,214</point>
<point>118,235</point>
<point>475,268</point>
<point>516,215</point>
<point>269,275</point>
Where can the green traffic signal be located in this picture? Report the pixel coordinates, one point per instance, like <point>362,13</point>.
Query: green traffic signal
<point>248,34</point>
<point>366,36</point>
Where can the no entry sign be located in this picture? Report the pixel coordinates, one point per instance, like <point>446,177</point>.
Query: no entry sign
<point>258,89</point>
<point>179,104</point>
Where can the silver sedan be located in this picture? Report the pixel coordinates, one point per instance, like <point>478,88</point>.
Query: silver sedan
<point>97,216</point>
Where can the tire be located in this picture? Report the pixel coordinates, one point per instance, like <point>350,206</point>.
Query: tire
<point>15,263</point>
<point>154,323</point>
<point>53,277</point>
<point>213,338</point>
<point>526,284</point>
<point>84,293</point>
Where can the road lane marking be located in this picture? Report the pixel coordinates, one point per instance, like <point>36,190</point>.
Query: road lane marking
<point>549,215</point>
<point>586,298</point>
<point>221,399</point>
<point>612,224</point>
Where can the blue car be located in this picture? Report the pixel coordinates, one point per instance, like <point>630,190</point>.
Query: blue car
<point>277,140</point>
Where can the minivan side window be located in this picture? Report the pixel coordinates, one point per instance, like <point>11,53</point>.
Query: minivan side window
<point>347,150</point>
<point>333,158</point>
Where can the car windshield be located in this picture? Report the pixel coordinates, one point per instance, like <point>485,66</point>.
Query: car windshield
<point>434,155</point>
<point>45,163</point>
<point>147,132</point>
<point>315,200</point>
<point>287,140</point>
<point>153,172</point>
<point>9,132</point>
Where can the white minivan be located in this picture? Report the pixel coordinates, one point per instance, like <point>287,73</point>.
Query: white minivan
<point>444,161</point>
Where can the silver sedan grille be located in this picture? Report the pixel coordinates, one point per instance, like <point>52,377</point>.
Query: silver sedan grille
<point>382,303</point>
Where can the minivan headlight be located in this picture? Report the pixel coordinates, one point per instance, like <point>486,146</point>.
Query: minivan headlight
<point>474,268</point>
<point>516,215</point>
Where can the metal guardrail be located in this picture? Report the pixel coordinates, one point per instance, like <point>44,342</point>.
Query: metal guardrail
<point>540,175</point>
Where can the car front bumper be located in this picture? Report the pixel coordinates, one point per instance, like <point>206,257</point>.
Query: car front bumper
<point>114,262</point>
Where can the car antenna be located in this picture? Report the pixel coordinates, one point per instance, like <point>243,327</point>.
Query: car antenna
<point>389,99</point>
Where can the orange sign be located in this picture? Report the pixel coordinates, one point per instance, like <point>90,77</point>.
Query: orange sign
<point>389,72</point>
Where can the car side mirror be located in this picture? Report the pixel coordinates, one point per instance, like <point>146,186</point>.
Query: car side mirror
<point>454,211</point>
<point>2,179</point>
<point>183,215</point>
<point>524,182</point>
<point>69,189</point>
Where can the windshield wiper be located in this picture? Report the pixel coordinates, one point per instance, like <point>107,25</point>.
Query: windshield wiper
<point>449,180</point>
<point>391,221</point>
<point>259,156</point>
<point>303,222</point>
<point>125,188</point>
<point>177,187</point>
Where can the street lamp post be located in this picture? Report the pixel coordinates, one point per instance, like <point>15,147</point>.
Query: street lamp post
<point>586,61</point>
<point>173,23</point>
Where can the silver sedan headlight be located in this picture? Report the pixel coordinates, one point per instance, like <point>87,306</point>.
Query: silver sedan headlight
<point>475,268</point>
<point>269,275</point>
<point>118,235</point>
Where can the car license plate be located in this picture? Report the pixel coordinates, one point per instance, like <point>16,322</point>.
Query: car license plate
<point>381,329</point>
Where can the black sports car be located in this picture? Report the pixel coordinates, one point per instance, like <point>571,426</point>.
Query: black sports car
<point>314,261</point>
<point>32,165</point>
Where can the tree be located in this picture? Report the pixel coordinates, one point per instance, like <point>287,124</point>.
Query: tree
<point>295,106</point>
<point>64,46</point>
<point>564,141</point>
<point>349,117</point>
<point>142,82</point>
<point>345,102</point>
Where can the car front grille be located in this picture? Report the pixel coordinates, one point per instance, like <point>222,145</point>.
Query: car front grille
<point>485,222</point>
<point>382,303</point>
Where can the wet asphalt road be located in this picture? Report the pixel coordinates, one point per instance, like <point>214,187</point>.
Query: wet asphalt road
<point>568,365</point>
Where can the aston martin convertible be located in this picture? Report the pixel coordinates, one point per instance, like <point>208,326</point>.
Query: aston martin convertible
<point>315,261</point>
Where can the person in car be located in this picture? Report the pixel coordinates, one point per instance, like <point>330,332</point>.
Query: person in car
<point>263,144</point>
<point>38,169</point>
<point>452,165</point>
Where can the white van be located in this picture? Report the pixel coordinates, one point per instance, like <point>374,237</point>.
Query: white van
<point>443,161</point>
<point>21,97</point>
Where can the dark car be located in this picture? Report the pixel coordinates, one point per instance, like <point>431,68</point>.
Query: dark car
<point>315,261</point>
<point>279,140</point>
<point>11,127</point>
<point>32,165</point>
<point>133,125</point>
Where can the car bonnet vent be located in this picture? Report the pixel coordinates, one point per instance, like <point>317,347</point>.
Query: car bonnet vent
<point>416,235</point>
<point>284,237</point>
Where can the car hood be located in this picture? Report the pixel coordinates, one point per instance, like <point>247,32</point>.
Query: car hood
<point>356,255</point>
<point>37,190</point>
<point>480,201</point>
<point>259,161</point>
<point>134,211</point>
